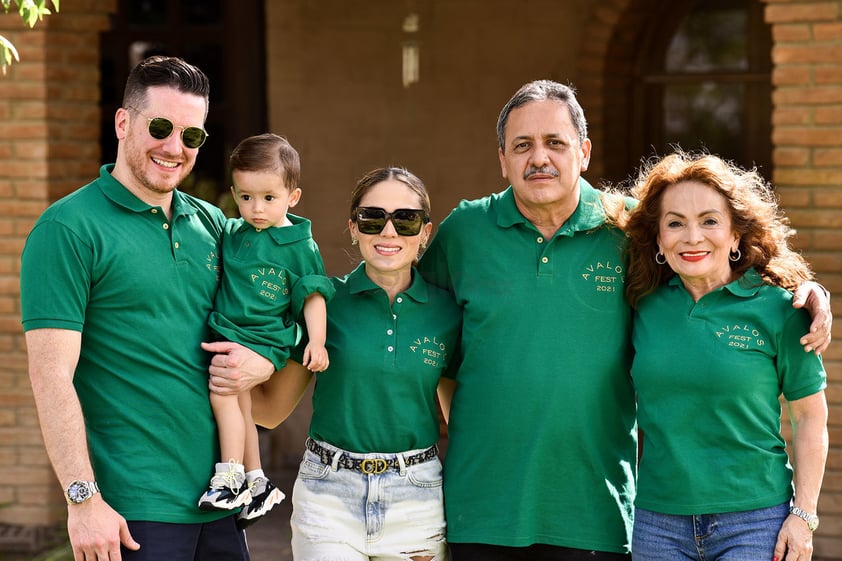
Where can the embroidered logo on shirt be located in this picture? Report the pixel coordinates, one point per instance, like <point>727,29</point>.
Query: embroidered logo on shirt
<point>606,276</point>
<point>740,336</point>
<point>432,351</point>
<point>212,264</point>
<point>270,282</point>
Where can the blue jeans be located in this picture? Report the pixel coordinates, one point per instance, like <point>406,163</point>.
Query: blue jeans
<point>394,513</point>
<point>534,552</point>
<point>732,536</point>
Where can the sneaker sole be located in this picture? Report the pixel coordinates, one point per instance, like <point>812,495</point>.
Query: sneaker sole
<point>209,504</point>
<point>275,497</point>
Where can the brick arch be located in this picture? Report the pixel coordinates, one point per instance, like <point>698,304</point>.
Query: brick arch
<point>608,66</point>
<point>594,75</point>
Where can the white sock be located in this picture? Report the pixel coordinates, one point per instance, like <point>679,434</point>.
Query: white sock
<point>254,474</point>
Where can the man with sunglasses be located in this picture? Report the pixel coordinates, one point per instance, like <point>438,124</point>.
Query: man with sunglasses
<point>542,449</point>
<point>117,282</point>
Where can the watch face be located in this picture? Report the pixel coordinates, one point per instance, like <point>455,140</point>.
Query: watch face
<point>813,524</point>
<point>78,492</point>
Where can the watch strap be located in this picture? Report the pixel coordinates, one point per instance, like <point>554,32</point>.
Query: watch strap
<point>811,519</point>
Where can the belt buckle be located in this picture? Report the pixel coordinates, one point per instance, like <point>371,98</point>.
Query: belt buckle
<point>373,466</point>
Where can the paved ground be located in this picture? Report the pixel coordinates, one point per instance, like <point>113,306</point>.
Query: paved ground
<point>269,539</point>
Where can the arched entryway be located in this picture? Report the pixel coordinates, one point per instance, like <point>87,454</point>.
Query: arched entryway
<point>688,73</point>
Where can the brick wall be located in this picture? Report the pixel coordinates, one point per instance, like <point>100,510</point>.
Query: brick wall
<point>442,128</point>
<point>49,145</point>
<point>807,138</point>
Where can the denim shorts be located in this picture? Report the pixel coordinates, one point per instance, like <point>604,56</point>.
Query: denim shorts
<point>344,514</point>
<point>732,536</point>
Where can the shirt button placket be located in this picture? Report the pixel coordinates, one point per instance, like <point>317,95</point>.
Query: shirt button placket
<point>544,266</point>
<point>391,333</point>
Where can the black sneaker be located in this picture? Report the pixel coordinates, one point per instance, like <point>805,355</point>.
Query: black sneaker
<point>264,495</point>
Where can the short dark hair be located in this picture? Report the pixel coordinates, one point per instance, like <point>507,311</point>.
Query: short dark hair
<point>268,152</point>
<point>541,90</point>
<point>167,71</point>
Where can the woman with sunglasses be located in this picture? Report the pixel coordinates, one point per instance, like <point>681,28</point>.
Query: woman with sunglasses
<point>370,484</point>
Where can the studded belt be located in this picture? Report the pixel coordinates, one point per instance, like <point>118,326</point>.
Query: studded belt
<point>369,466</point>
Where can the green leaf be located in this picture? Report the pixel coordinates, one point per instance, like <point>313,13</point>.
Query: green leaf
<point>31,11</point>
<point>7,51</point>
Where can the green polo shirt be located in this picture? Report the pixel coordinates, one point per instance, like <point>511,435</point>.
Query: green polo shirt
<point>542,429</point>
<point>708,375</point>
<point>379,393</point>
<point>140,289</point>
<point>267,275</point>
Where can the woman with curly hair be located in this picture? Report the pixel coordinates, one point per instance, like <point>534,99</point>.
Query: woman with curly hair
<point>716,343</point>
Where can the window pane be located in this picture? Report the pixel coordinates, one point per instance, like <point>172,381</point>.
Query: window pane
<point>710,39</point>
<point>202,12</point>
<point>707,115</point>
<point>148,13</point>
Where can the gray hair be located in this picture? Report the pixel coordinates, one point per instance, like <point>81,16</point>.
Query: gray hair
<point>541,90</point>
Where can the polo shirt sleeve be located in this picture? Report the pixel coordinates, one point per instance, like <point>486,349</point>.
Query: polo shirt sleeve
<point>435,268</point>
<point>312,279</point>
<point>801,373</point>
<point>56,271</point>
<point>433,264</point>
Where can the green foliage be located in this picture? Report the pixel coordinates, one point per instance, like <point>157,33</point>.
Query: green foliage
<point>31,11</point>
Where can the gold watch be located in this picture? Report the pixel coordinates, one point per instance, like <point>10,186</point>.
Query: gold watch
<point>811,519</point>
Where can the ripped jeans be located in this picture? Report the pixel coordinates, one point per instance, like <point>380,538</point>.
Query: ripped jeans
<point>368,512</point>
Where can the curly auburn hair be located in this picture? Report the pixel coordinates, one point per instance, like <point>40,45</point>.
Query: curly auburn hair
<point>763,229</point>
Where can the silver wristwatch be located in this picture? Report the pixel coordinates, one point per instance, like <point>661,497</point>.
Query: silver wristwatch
<point>811,519</point>
<point>80,491</point>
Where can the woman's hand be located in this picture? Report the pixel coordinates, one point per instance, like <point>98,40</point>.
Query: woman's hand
<point>795,541</point>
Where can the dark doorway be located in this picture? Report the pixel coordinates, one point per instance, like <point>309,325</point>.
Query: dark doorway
<point>222,37</point>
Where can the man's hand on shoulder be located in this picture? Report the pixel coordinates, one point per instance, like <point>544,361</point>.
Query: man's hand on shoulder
<point>814,298</point>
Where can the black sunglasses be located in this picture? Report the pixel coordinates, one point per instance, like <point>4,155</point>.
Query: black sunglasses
<point>161,128</point>
<point>372,220</point>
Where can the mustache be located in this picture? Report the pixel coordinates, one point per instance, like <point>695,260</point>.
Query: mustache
<point>545,170</point>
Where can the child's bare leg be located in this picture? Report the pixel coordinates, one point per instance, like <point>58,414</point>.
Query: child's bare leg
<point>251,457</point>
<point>227,488</point>
<point>231,426</point>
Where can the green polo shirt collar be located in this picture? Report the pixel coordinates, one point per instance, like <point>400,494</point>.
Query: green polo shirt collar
<point>359,282</point>
<point>589,213</point>
<point>745,287</point>
<point>117,193</point>
<point>299,230</point>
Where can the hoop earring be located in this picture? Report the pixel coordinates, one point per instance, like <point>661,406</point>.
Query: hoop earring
<point>660,258</point>
<point>735,255</point>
